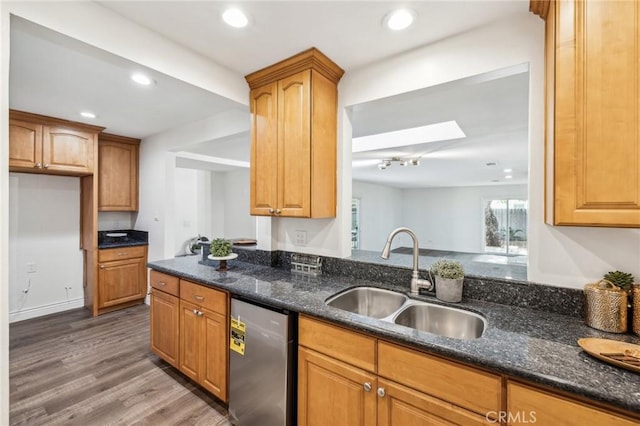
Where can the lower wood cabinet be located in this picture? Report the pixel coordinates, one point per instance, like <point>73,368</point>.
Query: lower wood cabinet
<point>337,389</point>
<point>121,277</point>
<point>528,405</point>
<point>189,330</point>
<point>165,317</point>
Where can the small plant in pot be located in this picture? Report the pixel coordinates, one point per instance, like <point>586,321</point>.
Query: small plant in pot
<point>606,302</point>
<point>449,277</point>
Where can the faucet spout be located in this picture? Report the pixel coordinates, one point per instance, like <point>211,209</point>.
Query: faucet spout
<point>416,282</point>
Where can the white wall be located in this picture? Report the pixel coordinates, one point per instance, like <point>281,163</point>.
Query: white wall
<point>4,215</point>
<point>190,199</point>
<point>158,209</point>
<point>453,218</point>
<point>380,213</point>
<point>44,230</point>
<point>562,256</point>
<point>238,223</point>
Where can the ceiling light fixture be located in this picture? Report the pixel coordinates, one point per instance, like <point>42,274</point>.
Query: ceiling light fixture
<point>235,18</point>
<point>388,161</point>
<point>141,79</point>
<point>87,114</point>
<point>507,170</point>
<point>508,177</point>
<point>399,19</point>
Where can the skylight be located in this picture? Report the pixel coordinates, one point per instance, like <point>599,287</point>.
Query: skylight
<point>405,137</point>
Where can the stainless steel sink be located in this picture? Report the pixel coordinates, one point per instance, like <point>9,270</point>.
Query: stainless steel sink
<point>442,320</point>
<point>369,301</point>
<point>397,308</point>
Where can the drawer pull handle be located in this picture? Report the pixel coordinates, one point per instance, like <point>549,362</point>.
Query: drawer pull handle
<point>198,298</point>
<point>367,387</point>
<point>123,253</point>
<point>381,392</point>
<point>162,283</point>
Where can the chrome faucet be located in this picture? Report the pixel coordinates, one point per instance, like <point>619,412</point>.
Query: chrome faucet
<point>416,282</point>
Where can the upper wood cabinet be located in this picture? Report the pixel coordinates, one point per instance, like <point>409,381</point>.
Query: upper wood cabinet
<point>117,173</point>
<point>593,99</point>
<point>293,137</point>
<point>39,144</point>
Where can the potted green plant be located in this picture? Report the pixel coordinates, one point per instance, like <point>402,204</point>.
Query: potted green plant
<point>606,302</point>
<point>220,247</point>
<point>449,277</point>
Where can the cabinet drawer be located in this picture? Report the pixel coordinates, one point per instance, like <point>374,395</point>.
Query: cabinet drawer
<point>167,283</point>
<point>345,345</point>
<point>206,297</point>
<point>120,253</point>
<point>466,387</point>
<point>527,405</point>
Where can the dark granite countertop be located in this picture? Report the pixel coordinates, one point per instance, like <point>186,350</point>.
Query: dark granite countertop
<point>131,238</point>
<point>532,345</point>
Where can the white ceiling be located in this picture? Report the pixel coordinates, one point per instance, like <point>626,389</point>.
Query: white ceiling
<point>55,75</point>
<point>349,32</point>
<point>491,109</point>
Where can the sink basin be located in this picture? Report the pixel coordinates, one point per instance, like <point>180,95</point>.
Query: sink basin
<point>442,320</point>
<point>369,301</point>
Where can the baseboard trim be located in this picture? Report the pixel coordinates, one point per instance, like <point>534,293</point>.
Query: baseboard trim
<point>51,308</point>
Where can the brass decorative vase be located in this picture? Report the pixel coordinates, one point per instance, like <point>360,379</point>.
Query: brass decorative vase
<point>606,307</point>
<point>636,309</point>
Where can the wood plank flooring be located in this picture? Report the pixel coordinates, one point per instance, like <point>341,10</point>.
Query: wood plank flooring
<point>72,369</point>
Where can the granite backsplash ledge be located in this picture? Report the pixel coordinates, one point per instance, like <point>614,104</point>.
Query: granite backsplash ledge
<point>524,294</point>
<point>122,238</point>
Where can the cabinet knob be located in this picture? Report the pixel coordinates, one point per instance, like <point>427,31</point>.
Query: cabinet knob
<point>101,266</point>
<point>367,387</point>
<point>381,392</point>
<point>195,312</point>
<point>200,313</point>
<point>277,211</point>
<point>38,166</point>
<point>271,211</point>
<point>46,166</point>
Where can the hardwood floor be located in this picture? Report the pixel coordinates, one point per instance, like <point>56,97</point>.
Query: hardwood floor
<point>72,369</point>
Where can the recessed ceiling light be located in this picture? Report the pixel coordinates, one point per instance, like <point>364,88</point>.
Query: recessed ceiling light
<point>495,180</point>
<point>87,114</point>
<point>508,177</point>
<point>141,79</point>
<point>399,19</point>
<point>491,163</point>
<point>235,17</point>
<point>508,170</point>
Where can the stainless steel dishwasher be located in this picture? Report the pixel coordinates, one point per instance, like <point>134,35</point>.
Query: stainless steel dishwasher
<point>262,374</point>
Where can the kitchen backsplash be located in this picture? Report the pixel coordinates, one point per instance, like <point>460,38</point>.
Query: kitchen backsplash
<point>115,220</point>
<point>541,297</point>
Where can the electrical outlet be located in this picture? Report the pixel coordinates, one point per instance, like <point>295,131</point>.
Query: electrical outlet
<point>301,238</point>
<point>31,267</point>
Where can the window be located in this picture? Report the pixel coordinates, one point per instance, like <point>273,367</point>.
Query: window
<point>505,227</point>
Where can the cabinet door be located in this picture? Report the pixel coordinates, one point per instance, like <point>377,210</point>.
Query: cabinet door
<point>294,145</point>
<point>165,326</point>
<point>190,340</point>
<point>527,405</point>
<point>215,352</point>
<point>67,151</point>
<point>121,281</point>
<point>117,176</point>
<point>264,150</point>
<point>400,406</point>
<point>331,392</point>
<point>25,144</point>
<point>597,99</point>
